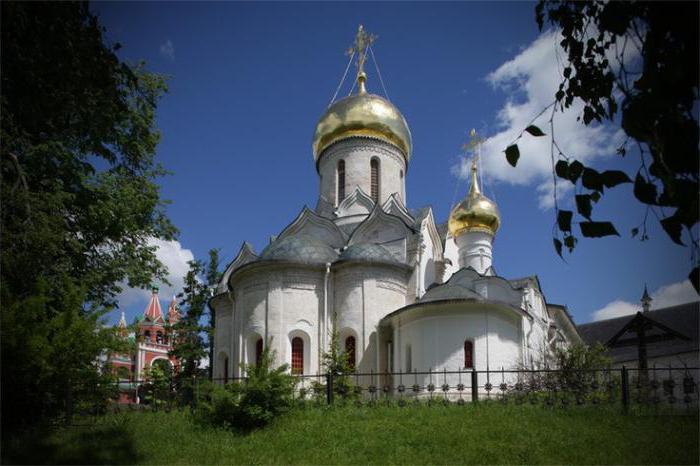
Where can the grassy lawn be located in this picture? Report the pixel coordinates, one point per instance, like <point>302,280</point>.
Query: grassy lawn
<point>492,434</point>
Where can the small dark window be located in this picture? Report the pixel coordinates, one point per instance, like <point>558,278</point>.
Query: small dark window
<point>341,180</point>
<point>225,370</point>
<point>159,338</point>
<point>297,355</point>
<point>350,350</point>
<point>374,180</point>
<point>258,351</point>
<point>468,355</point>
<point>147,336</point>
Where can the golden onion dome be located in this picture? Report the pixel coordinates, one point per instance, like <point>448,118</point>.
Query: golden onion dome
<point>364,115</point>
<point>474,213</point>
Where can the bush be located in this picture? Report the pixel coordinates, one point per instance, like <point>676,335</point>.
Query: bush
<point>264,395</point>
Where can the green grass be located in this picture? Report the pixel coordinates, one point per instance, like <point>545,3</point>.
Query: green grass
<point>492,434</point>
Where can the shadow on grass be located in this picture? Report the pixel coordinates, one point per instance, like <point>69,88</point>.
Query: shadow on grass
<point>80,445</point>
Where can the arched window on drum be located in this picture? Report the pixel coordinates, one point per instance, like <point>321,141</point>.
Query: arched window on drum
<point>350,351</point>
<point>297,355</point>
<point>374,179</point>
<point>468,354</point>
<point>341,181</point>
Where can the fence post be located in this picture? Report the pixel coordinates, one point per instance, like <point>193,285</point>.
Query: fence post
<point>475,385</point>
<point>625,390</point>
<point>329,387</point>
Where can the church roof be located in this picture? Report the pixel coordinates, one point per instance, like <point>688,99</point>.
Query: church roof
<point>368,252</point>
<point>682,318</point>
<point>299,248</point>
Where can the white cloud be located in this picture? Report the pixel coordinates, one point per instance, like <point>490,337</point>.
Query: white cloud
<point>530,81</point>
<point>175,258</point>
<point>666,296</point>
<point>167,50</point>
<point>617,308</point>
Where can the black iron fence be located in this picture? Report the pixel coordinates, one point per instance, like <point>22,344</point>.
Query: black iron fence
<point>669,390</point>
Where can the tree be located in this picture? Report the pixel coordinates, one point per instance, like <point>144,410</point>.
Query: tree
<point>636,64</point>
<point>79,201</point>
<point>335,361</point>
<point>189,345</point>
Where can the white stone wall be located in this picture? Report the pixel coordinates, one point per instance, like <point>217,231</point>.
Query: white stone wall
<point>475,250</point>
<point>363,295</point>
<point>452,253</point>
<point>276,303</point>
<point>223,335</point>
<point>357,153</point>
<point>436,336</point>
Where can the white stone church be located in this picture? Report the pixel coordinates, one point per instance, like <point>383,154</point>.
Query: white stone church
<point>404,292</point>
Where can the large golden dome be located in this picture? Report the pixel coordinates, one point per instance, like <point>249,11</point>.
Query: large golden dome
<point>365,115</point>
<point>475,213</point>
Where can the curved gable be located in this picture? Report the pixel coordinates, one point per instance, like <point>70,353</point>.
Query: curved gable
<point>245,255</point>
<point>394,207</point>
<point>308,223</point>
<point>356,203</point>
<point>384,229</point>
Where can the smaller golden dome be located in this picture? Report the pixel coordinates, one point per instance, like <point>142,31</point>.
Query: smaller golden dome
<point>474,213</point>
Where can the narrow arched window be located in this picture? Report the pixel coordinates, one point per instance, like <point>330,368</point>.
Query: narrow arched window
<point>297,355</point>
<point>350,350</point>
<point>159,338</point>
<point>225,370</point>
<point>374,179</point>
<point>409,362</point>
<point>147,336</point>
<point>258,351</point>
<point>341,180</point>
<point>468,355</point>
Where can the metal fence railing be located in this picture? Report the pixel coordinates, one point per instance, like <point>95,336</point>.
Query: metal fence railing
<point>670,389</point>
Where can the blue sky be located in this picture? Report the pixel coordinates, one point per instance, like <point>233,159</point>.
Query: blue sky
<point>248,82</point>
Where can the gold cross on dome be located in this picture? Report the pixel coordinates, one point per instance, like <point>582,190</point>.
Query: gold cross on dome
<point>474,141</point>
<point>362,41</point>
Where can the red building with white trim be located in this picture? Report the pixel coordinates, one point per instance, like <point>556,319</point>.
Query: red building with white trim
<point>154,340</point>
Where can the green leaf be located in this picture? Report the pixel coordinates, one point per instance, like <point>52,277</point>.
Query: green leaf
<point>645,191</point>
<point>557,247</point>
<point>534,130</point>
<point>583,205</point>
<point>595,197</point>
<point>575,170</point>
<point>562,169</point>
<point>635,231</point>
<point>512,154</point>
<point>673,227</point>
<point>597,229</point>
<point>592,180</point>
<point>570,242</point>
<point>612,178</point>
<point>564,220</point>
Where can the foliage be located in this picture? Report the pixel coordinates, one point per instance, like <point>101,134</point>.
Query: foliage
<point>189,346</point>
<point>336,361</point>
<point>265,394</point>
<point>581,358</point>
<point>79,200</point>
<point>635,63</point>
<point>157,389</point>
<point>472,434</point>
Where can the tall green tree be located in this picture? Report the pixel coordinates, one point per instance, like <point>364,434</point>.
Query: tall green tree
<point>635,64</point>
<point>190,345</point>
<point>79,200</point>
